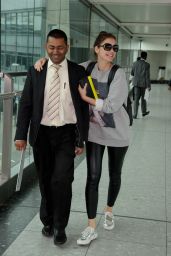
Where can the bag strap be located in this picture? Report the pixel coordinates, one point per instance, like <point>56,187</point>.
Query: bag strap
<point>112,73</point>
<point>90,67</point>
<point>110,77</point>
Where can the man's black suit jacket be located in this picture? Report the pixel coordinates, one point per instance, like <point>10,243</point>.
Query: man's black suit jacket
<point>32,100</point>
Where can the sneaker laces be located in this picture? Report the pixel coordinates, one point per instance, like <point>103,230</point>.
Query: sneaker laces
<point>109,218</point>
<point>87,232</point>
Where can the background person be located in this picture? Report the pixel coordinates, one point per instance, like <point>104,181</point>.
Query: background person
<point>169,85</point>
<point>141,81</point>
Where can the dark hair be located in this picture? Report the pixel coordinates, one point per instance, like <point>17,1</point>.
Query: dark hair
<point>138,58</point>
<point>144,55</point>
<point>102,36</point>
<point>57,33</point>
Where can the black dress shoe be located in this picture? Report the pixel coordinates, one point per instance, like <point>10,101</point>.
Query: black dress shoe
<point>146,113</point>
<point>135,117</point>
<point>59,237</point>
<point>47,231</point>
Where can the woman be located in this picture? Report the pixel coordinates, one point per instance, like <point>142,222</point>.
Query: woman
<point>113,134</point>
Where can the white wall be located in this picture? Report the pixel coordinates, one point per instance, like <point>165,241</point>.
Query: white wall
<point>168,65</point>
<point>159,44</point>
<point>156,59</point>
<point>158,54</point>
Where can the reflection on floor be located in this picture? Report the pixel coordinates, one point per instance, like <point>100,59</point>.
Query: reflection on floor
<point>142,211</point>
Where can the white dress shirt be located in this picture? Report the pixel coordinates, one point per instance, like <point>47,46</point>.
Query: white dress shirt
<point>66,108</point>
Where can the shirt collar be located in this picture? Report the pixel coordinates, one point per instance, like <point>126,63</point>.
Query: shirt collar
<point>62,64</point>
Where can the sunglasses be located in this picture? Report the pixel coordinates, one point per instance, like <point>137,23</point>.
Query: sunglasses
<point>109,47</point>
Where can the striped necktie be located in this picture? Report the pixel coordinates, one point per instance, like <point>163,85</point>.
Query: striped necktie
<point>54,93</point>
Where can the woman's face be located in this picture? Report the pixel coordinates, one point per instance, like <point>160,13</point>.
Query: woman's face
<point>105,51</point>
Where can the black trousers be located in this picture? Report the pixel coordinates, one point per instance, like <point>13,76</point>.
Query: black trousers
<point>54,154</point>
<point>94,167</point>
<point>139,93</point>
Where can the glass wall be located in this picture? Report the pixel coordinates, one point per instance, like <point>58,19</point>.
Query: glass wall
<point>124,54</point>
<point>24,26</point>
<point>21,34</point>
<point>98,24</point>
<point>79,31</point>
<point>25,23</point>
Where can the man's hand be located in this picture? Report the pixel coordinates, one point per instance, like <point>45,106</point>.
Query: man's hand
<point>20,144</point>
<point>78,151</point>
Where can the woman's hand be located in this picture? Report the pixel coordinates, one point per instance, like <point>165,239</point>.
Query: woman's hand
<point>83,91</point>
<point>40,63</point>
<point>83,94</point>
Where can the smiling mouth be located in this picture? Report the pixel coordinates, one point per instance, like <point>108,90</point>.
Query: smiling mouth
<point>111,56</point>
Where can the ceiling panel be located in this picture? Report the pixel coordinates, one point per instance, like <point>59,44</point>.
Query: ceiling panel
<point>146,29</point>
<point>142,19</point>
<point>148,12</point>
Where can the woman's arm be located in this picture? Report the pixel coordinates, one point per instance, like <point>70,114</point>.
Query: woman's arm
<point>40,63</point>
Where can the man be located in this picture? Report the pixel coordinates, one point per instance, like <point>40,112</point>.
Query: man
<point>57,120</point>
<point>141,82</point>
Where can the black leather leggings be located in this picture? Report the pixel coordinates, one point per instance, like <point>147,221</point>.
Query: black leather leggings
<point>94,168</point>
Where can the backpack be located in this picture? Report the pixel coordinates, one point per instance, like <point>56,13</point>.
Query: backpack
<point>113,70</point>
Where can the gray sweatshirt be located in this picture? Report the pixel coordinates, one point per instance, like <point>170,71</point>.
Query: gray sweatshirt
<point>109,121</point>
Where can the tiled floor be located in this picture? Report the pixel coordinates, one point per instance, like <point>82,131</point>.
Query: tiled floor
<point>143,208</point>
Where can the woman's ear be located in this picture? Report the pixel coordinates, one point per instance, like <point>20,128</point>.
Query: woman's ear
<point>96,49</point>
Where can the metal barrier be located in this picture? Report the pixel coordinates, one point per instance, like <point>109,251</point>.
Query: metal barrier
<point>6,99</point>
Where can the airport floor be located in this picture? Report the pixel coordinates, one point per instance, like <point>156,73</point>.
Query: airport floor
<point>142,211</point>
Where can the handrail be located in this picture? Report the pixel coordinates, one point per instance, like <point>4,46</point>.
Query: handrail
<point>10,94</point>
<point>13,74</point>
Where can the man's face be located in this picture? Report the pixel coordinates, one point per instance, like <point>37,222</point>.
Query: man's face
<point>56,49</point>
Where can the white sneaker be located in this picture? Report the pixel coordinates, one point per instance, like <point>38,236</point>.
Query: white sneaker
<point>87,236</point>
<point>109,221</point>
